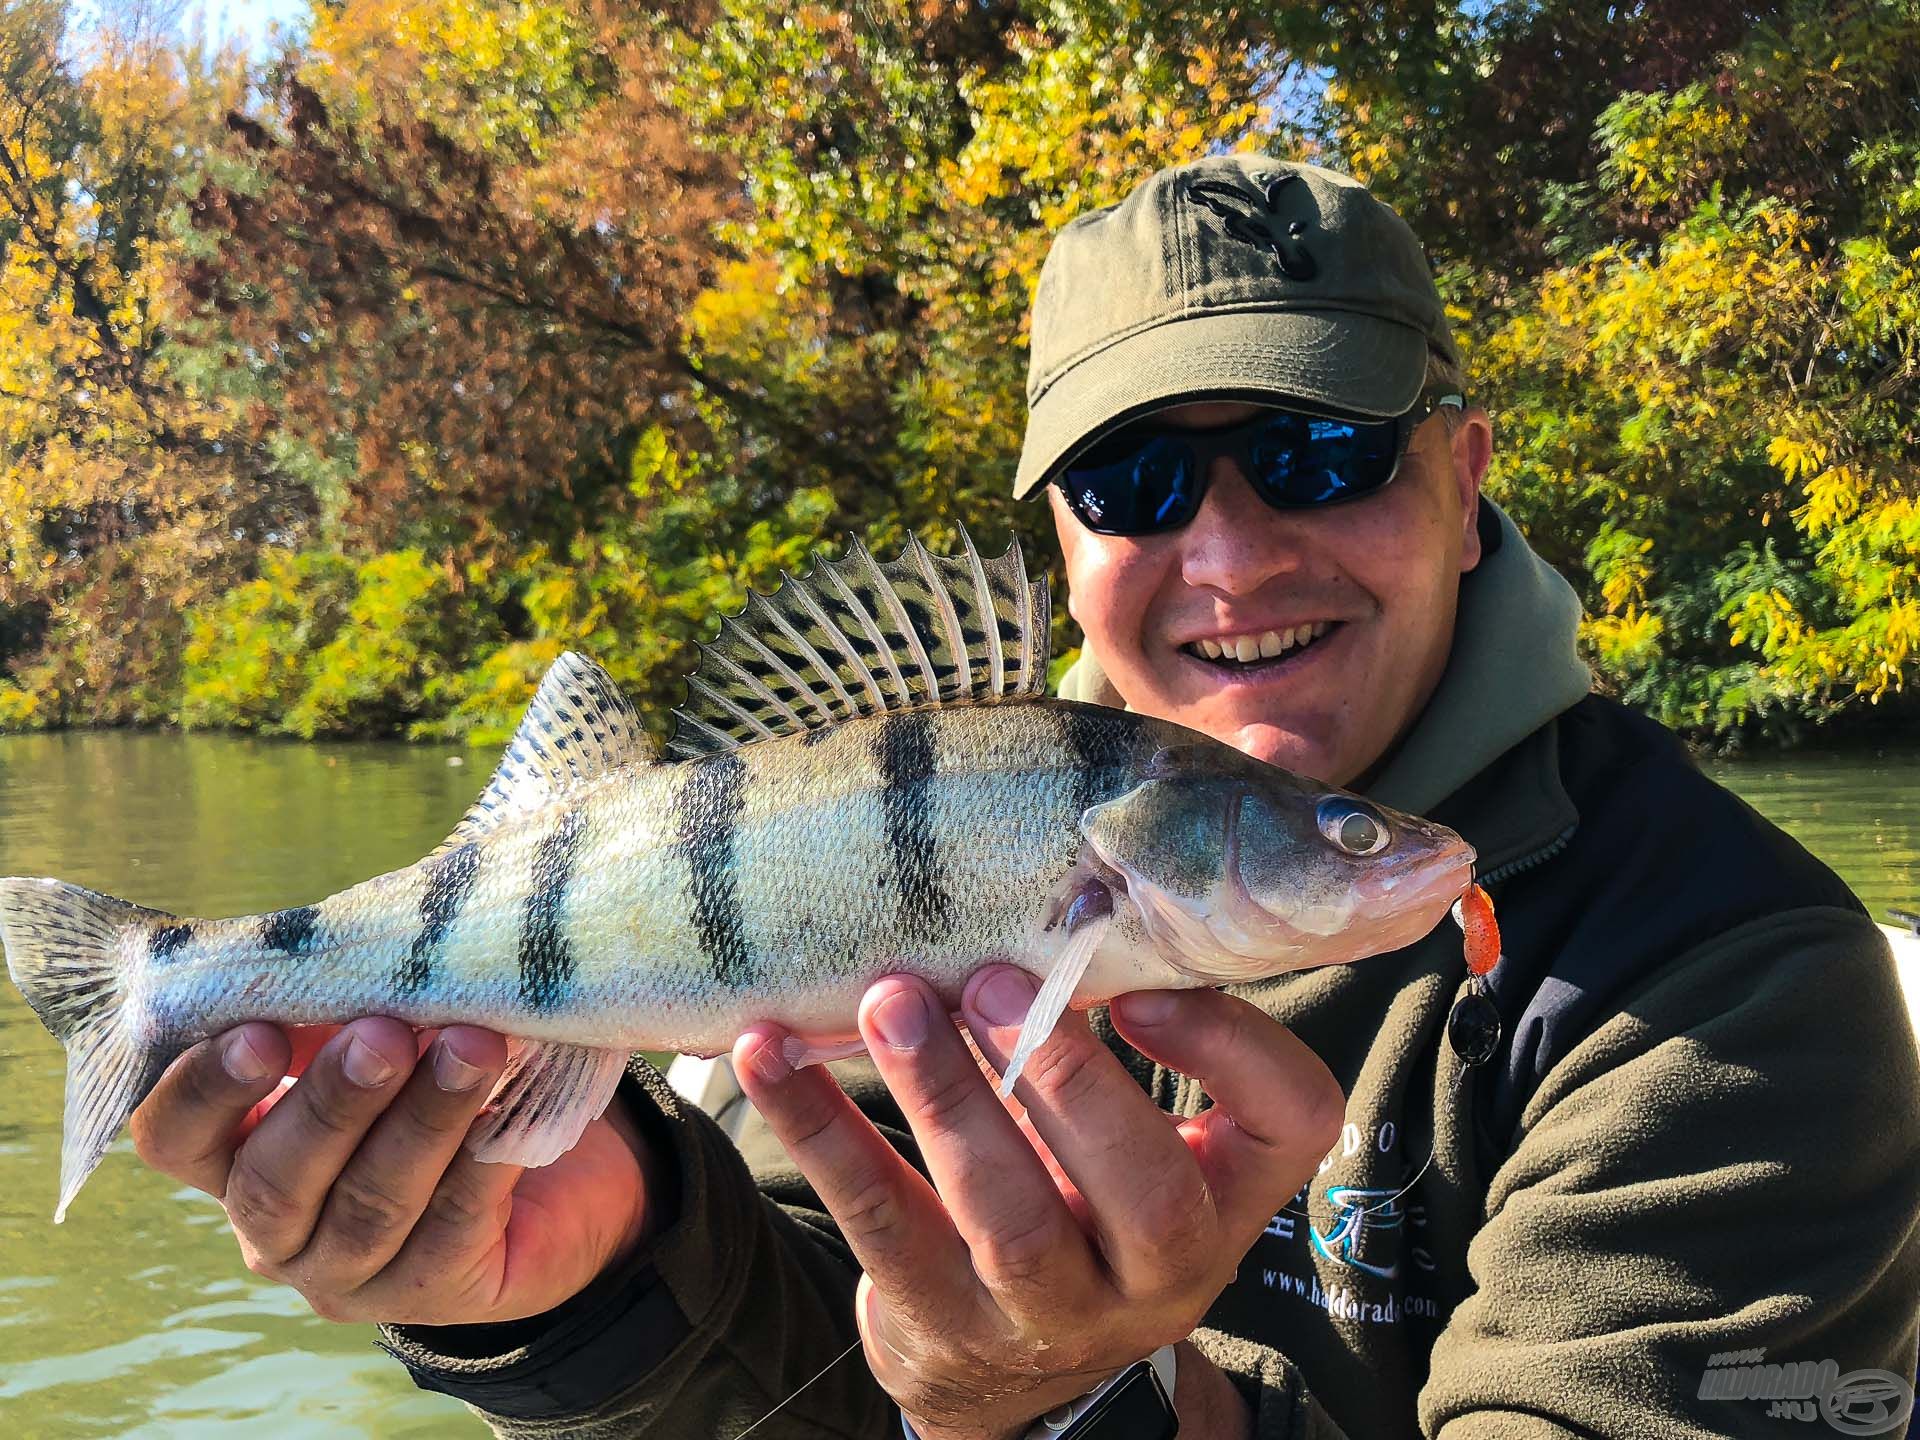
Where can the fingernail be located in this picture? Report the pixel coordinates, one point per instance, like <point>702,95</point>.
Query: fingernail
<point>243,1061</point>
<point>1004,997</point>
<point>901,1019</point>
<point>450,1072</point>
<point>1147,1007</point>
<point>772,1063</point>
<point>365,1065</point>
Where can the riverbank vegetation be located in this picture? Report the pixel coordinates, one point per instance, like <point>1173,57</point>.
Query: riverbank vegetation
<point>343,387</point>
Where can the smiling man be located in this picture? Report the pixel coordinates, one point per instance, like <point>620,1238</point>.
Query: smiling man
<point>1683,1119</point>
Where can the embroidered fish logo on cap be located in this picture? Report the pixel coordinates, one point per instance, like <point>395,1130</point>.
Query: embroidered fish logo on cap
<point>1259,223</point>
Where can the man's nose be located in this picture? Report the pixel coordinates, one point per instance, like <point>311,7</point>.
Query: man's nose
<point>1236,542</point>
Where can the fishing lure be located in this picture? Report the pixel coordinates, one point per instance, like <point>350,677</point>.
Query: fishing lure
<point>1473,1029</point>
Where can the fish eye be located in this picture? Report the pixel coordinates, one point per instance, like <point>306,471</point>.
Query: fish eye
<point>1352,828</point>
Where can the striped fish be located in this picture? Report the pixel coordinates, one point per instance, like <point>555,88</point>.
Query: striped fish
<point>866,778</point>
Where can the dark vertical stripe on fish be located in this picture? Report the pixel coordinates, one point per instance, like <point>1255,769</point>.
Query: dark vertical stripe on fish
<point>168,939</point>
<point>1088,737</point>
<point>706,810</point>
<point>905,752</point>
<point>449,880</point>
<point>291,931</point>
<point>546,955</point>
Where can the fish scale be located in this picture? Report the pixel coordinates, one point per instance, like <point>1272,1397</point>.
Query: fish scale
<point>866,778</point>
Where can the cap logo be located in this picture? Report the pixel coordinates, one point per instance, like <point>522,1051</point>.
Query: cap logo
<point>1258,222</point>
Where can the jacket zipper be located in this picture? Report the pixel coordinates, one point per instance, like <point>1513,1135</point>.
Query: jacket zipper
<point>1527,862</point>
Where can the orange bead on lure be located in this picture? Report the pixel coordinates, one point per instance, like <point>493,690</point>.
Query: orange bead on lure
<point>1474,911</point>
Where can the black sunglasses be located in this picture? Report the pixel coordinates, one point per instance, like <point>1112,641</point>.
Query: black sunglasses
<point>1147,479</point>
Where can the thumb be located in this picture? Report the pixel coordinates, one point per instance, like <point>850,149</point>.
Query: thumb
<point>1276,1107</point>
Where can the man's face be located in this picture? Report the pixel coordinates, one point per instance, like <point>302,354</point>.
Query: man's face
<point>1378,578</point>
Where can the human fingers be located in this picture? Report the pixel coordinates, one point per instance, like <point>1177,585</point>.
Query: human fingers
<point>887,1212</point>
<point>1276,1107</point>
<point>391,1176</point>
<point>283,1172</point>
<point>188,1126</point>
<point>306,1041</point>
<point>1145,1195</point>
<point>1024,1242</point>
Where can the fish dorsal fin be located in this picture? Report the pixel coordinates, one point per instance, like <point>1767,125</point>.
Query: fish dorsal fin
<point>578,727</point>
<point>856,637</point>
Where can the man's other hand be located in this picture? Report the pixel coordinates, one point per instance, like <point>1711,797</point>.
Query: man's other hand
<point>350,1183</point>
<point>1061,1239</point>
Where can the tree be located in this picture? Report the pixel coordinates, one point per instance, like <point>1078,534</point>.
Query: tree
<point>121,490</point>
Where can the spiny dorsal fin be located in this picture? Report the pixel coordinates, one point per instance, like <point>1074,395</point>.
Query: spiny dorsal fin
<point>856,637</point>
<point>578,728</point>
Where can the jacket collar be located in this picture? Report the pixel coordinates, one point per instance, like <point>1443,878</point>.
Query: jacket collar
<point>1483,756</point>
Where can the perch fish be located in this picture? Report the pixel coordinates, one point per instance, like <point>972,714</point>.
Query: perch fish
<point>867,777</point>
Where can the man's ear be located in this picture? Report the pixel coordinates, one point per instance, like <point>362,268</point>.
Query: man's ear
<point>1472,445</point>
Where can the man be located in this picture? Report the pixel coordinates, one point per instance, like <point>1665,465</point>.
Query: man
<point>1697,1130</point>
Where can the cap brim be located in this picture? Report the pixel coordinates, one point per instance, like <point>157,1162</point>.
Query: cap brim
<point>1356,364</point>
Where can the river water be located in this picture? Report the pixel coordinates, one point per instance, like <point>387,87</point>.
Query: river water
<point>136,1317</point>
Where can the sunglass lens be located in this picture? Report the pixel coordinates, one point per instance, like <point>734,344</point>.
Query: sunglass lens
<point>1300,460</point>
<point>1131,486</point>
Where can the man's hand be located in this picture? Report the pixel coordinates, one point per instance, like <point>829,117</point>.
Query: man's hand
<point>351,1185</point>
<point>1055,1247</point>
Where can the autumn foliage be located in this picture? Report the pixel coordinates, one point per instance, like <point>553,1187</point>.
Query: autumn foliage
<point>342,388</point>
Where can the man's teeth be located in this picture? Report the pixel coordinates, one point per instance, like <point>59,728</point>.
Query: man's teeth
<point>1265,646</point>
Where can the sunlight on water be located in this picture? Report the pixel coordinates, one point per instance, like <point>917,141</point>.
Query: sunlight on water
<point>1857,810</point>
<point>136,1317</point>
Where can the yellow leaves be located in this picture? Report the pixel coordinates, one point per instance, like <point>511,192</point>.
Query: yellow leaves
<point>1627,581</point>
<point>1769,622</point>
<point>1795,457</point>
<point>1834,492</point>
<point>1833,497</point>
<point>19,709</point>
<point>493,72</point>
<point>749,311</point>
<point>1629,641</point>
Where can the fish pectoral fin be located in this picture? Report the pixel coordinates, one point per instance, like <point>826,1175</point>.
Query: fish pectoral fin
<point>1084,934</point>
<point>547,1096</point>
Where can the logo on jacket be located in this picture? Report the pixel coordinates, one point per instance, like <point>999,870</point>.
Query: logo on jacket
<point>1358,1213</point>
<point>1258,222</point>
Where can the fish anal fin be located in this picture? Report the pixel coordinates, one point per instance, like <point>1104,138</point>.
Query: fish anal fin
<point>579,727</point>
<point>858,637</point>
<point>803,1050</point>
<point>545,1099</point>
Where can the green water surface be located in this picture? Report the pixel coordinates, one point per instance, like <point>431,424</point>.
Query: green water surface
<point>136,1317</point>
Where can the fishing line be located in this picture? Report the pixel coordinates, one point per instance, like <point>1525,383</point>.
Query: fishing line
<point>782,1405</point>
<point>1425,1165</point>
<point>1473,1025</point>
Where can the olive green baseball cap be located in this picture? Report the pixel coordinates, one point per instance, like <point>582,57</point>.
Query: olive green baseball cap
<point>1236,276</point>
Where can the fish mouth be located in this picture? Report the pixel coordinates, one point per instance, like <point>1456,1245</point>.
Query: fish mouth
<point>1409,899</point>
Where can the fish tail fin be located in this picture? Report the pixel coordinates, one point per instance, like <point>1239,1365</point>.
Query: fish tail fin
<point>70,952</point>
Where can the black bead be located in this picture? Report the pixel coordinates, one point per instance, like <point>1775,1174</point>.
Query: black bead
<point>1473,1029</point>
